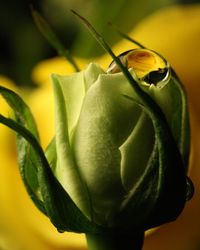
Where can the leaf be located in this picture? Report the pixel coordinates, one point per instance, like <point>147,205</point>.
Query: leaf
<point>125,36</point>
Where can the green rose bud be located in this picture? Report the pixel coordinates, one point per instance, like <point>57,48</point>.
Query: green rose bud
<point>106,145</point>
<point>120,154</point>
<point>117,165</point>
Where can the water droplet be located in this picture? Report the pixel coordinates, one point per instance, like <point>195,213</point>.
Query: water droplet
<point>60,230</point>
<point>189,189</point>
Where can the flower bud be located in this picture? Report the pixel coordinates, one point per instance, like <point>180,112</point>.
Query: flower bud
<point>108,153</point>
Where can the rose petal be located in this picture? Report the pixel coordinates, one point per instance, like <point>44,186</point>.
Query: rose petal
<point>107,118</point>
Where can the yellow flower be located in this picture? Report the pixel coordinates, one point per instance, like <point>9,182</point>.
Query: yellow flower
<point>175,33</point>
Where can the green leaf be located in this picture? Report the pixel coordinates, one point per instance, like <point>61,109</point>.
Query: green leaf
<point>125,36</point>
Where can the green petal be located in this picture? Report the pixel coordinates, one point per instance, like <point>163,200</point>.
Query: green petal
<point>66,169</point>
<point>69,95</point>
<point>74,87</point>
<point>106,120</point>
<point>136,151</point>
<point>91,74</point>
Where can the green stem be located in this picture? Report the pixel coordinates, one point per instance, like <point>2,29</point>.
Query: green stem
<point>115,241</point>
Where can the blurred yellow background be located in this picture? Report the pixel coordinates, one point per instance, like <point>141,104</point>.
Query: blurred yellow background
<point>173,31</point>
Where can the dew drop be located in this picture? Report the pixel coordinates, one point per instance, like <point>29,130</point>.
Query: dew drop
<point>60,230</point>
<point>189,189</point>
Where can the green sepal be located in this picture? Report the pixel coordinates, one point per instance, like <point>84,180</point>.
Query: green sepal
<point>172,101</point>
<point>160,192</point>
<point>54,201</point>
<point>27,159</point>
<point>62,211</point>
<point>183,128</point>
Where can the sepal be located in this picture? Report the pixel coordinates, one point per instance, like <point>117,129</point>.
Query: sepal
<point>43,188</point>
<point>26,155</point>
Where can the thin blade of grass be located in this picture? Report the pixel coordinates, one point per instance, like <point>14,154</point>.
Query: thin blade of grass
<point>52,38</point>
<point>125,36</point>
<point>107,48</point>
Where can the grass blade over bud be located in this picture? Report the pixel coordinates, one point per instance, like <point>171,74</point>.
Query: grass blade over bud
<point>52,38</point>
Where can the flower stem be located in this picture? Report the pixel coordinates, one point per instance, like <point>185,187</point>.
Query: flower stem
<point>115,241</point>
